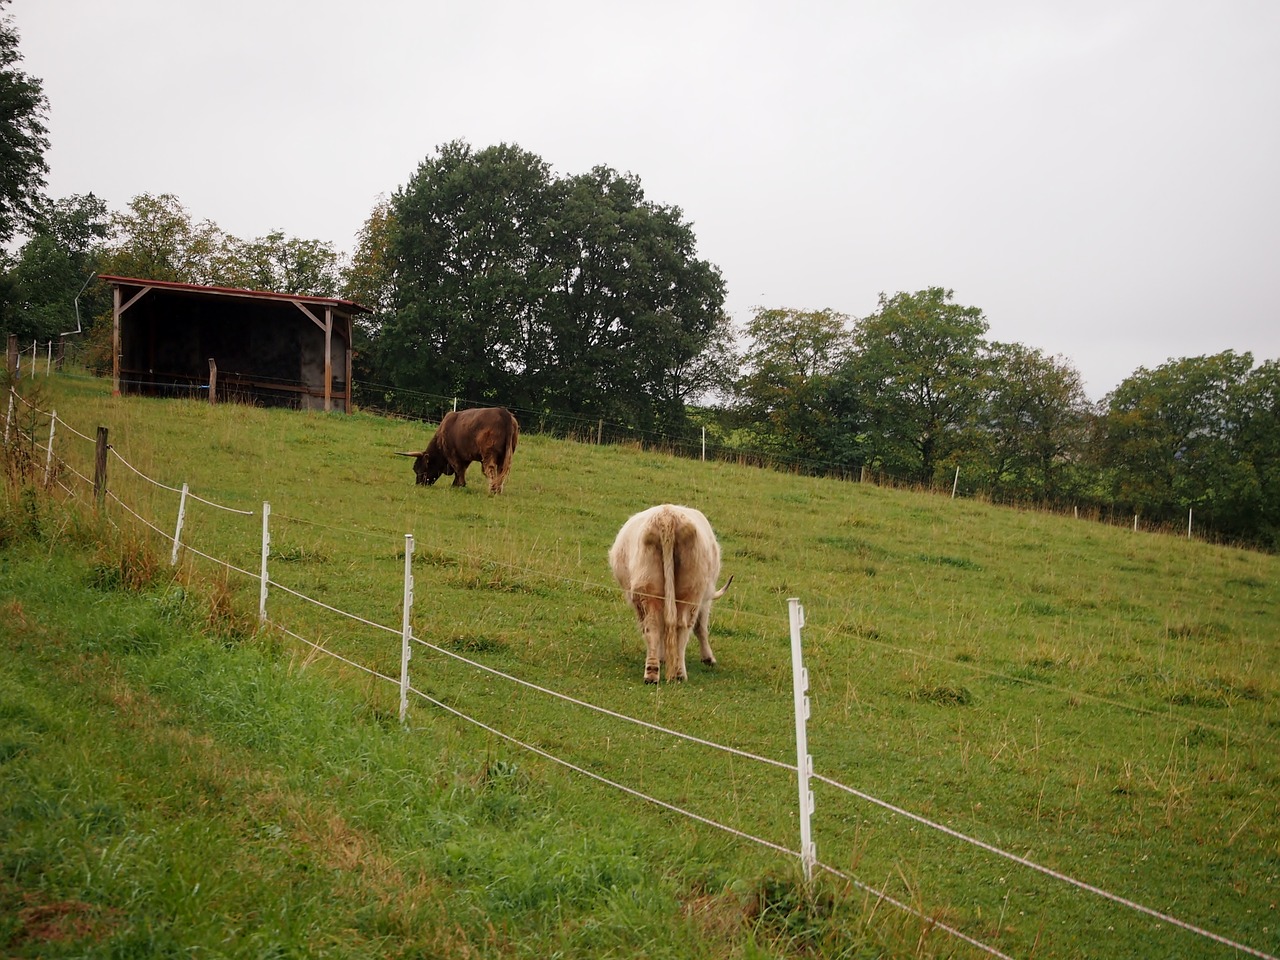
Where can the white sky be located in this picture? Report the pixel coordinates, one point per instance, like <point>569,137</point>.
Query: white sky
<point>1101,178</point>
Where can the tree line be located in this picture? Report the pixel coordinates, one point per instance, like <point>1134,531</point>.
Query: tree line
<point>492,279</point>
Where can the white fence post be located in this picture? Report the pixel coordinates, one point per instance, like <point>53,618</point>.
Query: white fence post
<point>48,360</point>
<point>1189,509</point>
<point>177,534</point>
<point>49,457</point>
<point>955,483</point>
<point>804,762</point>
<point>704,443</point>
<point>266,551</point>
<point>8,417</point>
<point>406,650</point>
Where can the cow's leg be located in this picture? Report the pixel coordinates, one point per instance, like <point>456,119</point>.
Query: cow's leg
<point>682,646</point>
<point>460,474</point>
<point>490,469</point>
<point>676,639</point>
<point>702,628</point>
<point>650,617</point>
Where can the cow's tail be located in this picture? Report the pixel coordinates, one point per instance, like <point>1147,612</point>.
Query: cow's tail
<point>512,436</point>
<point>723,590</point>
<point>667,538</point>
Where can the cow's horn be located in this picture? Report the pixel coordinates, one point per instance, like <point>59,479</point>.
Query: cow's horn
<point>408,453</point>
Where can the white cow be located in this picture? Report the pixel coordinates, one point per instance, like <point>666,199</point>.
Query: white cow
<point>666,559</point>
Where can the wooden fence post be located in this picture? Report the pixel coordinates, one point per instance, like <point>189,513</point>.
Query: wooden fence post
<point>213,380</point>
<point>12,356</point>
<point>100,466</point>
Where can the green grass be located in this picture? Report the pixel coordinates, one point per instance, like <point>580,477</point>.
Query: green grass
<point>1101,701</point>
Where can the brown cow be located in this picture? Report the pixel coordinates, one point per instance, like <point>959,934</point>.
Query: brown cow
<point>667,559</point>
<point>487,434</point>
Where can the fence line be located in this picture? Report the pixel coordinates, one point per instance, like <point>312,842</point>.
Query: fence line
<point>1115,898</point>
<point>319,648</point>
<point>597,585</point>
<point>972,667</point>
<point>325,606</point>
<point>882,895</point>
<point>70,427</point>
<point>1047,871</point>
<point>53,415</point>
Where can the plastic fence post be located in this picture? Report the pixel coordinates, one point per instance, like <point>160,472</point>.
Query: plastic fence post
<point>804,762</point>
<point>405,630</point>
<point>177,534</point>
<point>8,417</point>
<point>48,459</point>
<point>266,551</point>
<point>48,360</point>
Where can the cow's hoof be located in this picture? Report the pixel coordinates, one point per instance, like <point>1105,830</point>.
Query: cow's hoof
<point>710,661</point>
<point>650,679</point>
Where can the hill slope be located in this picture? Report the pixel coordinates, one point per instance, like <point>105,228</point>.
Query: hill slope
<point>1102,700</point>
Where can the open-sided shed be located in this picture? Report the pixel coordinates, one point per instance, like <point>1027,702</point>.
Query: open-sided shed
<point>277,349</point>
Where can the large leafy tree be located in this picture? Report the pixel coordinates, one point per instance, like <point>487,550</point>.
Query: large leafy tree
<point>633,328</point>
<point>917,369</point>
<point>369,280</point>
<point>467,240</point>
<point>280,263</point>
<point>1258,408</point>
<point>1034,422</point>
<point>1171,437</point>
<point>23,139</point>
<point>155,239</point>
<point>53,266</point>
<point>789,366</point>
<point>575,294</point>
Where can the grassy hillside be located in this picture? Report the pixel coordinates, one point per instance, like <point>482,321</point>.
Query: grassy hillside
<point>1102,702</point>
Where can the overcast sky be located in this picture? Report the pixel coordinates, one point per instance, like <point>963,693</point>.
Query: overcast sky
<point>1102,179</point>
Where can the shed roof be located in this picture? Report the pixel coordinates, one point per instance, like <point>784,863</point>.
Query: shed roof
<point>236,293</point>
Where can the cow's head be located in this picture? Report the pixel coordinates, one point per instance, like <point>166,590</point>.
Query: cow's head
<point>428,464</point>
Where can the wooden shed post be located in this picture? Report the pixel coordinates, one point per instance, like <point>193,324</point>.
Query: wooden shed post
<point>213,380</point>
<point>328,359</point>
<point>350,350</point>
<point>115,339</point>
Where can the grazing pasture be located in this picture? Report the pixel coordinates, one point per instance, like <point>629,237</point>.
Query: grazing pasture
<point>1102,702</point>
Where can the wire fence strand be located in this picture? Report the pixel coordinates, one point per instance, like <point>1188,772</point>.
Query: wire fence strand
<point>862,795</point>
